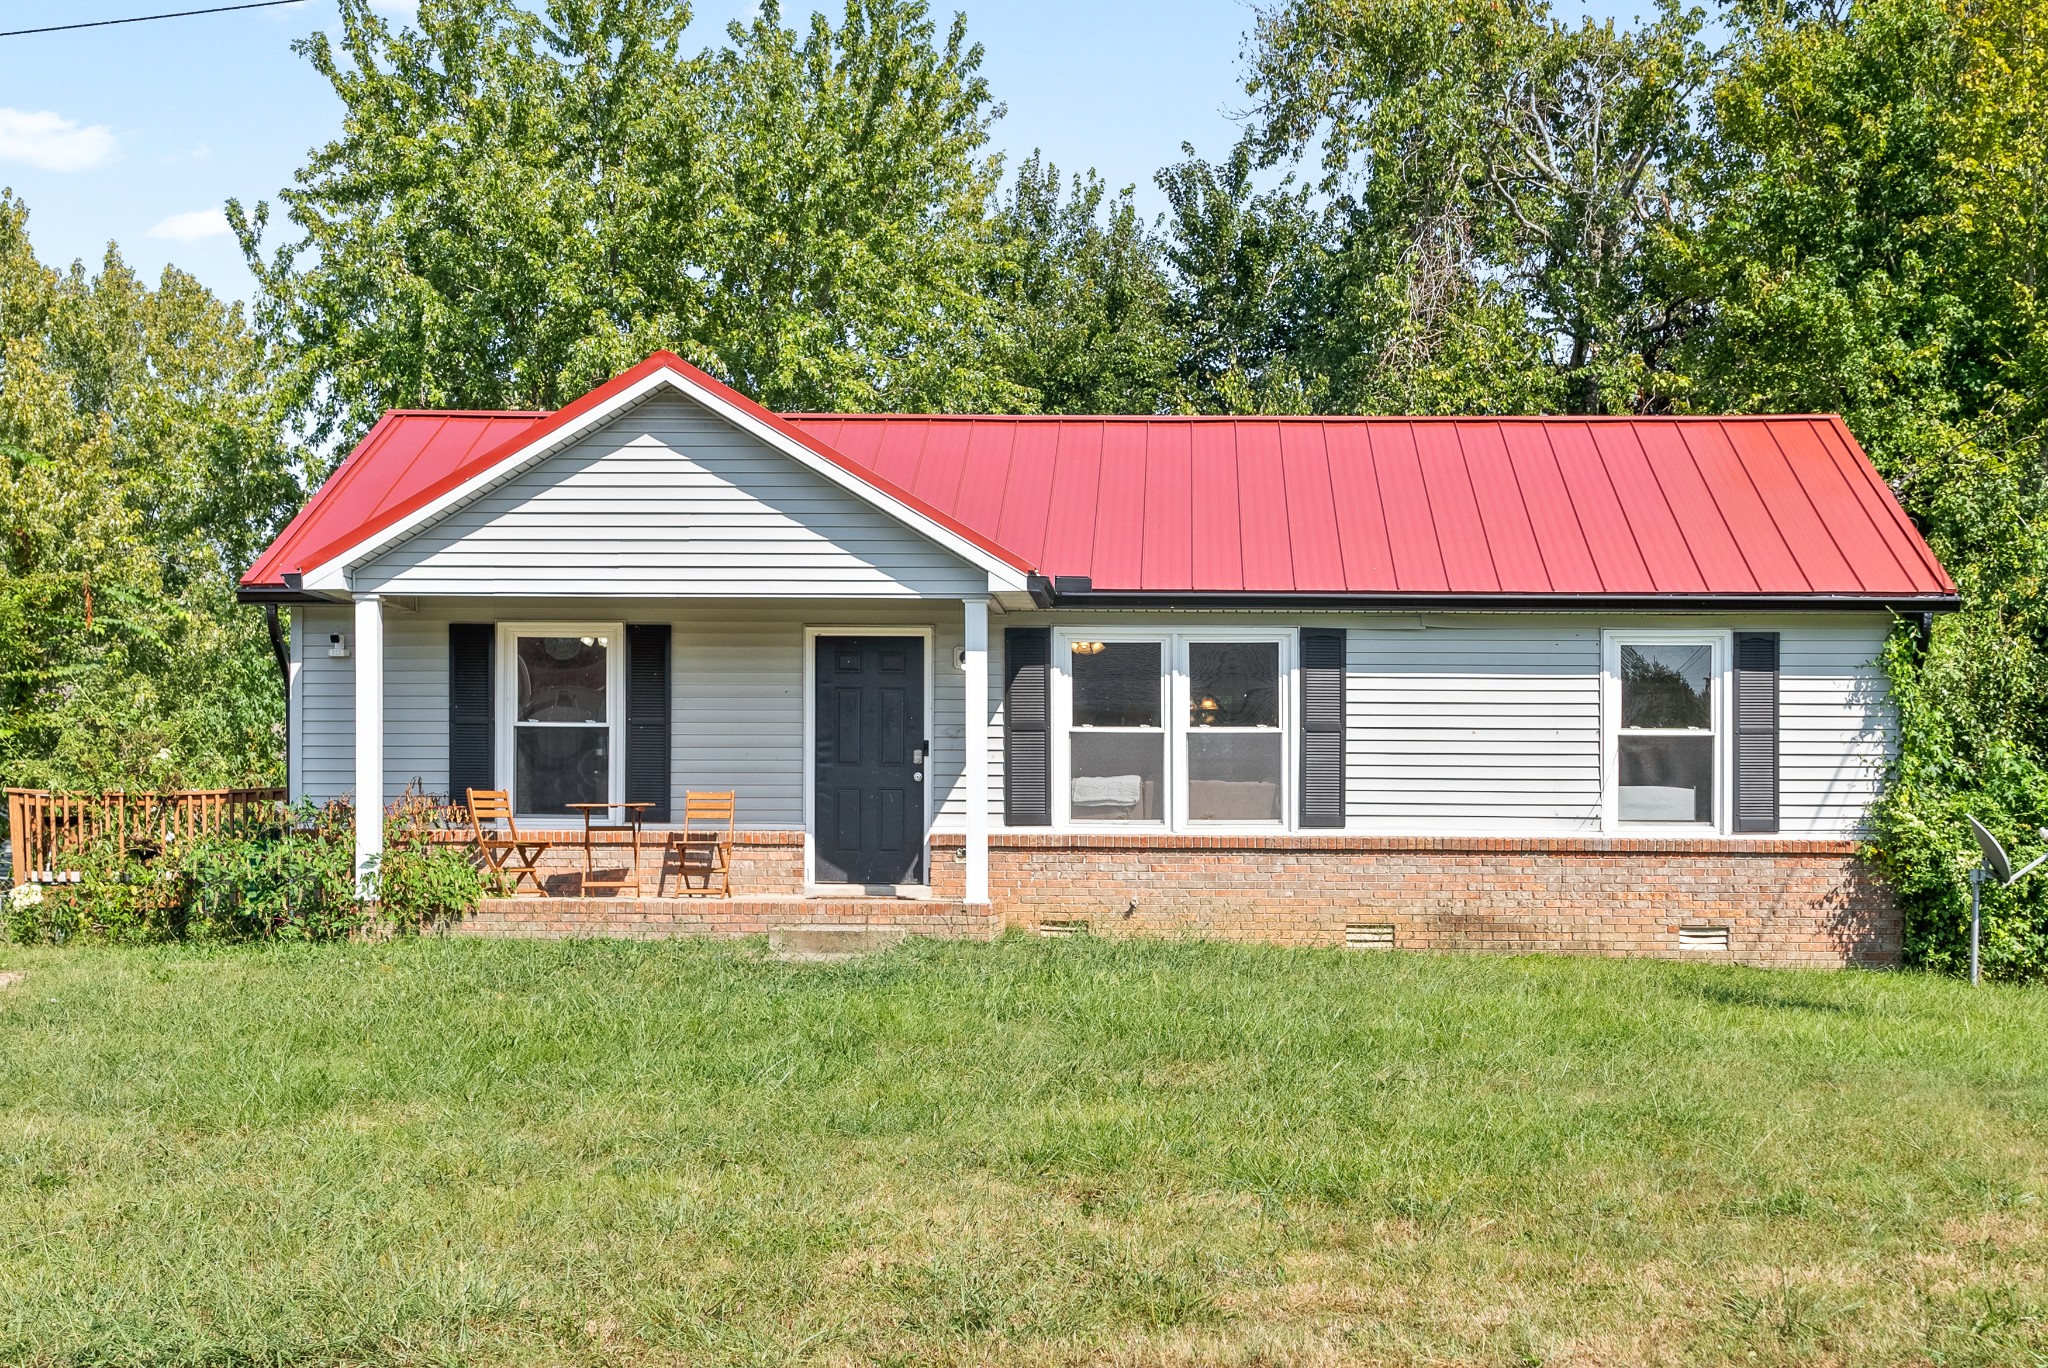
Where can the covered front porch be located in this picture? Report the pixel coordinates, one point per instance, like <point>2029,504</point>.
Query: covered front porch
<point>849,731</point>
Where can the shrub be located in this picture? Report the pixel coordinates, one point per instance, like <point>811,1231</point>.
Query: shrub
<point>1960,706</point>
<point>292,880</point>
<point>117,898</point>
<point>276,878</point>
<point>425,878</point>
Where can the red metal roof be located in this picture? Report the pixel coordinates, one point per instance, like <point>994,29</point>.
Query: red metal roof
<point>1398,506</point>
<point>405,462</point>
<point>396,465</point>
<point>1373,507</point>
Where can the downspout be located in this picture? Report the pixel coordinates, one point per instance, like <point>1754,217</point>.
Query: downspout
<point>283,656</point>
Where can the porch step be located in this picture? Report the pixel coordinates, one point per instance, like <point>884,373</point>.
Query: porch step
<point>660,918</point>
<point>828,944</point>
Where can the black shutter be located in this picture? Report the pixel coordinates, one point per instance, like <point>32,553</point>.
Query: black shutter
<point>1756,731</point>
<point>1322,726</point>
<point>1027,726</point>
<point>647,719</point>
<point>472,747</point>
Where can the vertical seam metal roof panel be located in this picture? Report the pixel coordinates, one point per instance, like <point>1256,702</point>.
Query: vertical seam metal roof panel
<point>1560,533</point>
<point>1412,538</point>
<point>1361,518</point>
<point>1266,539</point>
<point>1511,540</point>
<point>1313,531</point>
<point>1461,543</point>
<point>1215,522</point>
<point>1650,517</point>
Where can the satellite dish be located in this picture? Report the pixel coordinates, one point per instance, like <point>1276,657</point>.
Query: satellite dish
<point>1995,858</point>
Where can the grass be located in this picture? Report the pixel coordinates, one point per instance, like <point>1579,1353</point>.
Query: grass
<point>444,1153</point>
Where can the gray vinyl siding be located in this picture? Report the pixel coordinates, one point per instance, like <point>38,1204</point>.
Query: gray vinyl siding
<point>1468,725</point>
<point>1836,727</point>
<point>737,681</point>
<point>415,706</point>
<point>669,500</point>
<point>327,713</point>
<point>1490,724</point>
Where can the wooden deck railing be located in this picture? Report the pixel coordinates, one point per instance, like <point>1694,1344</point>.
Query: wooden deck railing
<point>46,827</point>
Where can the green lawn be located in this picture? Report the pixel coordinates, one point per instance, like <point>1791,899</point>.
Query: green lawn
<point>1035,1152</point>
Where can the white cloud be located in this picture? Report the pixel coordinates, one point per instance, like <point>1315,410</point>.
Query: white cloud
<point>48,141</point>
<point>193,226</point>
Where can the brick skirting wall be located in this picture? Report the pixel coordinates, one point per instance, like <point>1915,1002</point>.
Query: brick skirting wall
<point>1782,902</point>
<point>660,918</point>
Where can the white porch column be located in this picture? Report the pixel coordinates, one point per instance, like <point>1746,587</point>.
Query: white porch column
<point>975,737</point>
<point>369,652</point>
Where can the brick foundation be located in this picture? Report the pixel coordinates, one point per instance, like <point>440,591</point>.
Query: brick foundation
<point>660,918</point>
<point>1782,902</point>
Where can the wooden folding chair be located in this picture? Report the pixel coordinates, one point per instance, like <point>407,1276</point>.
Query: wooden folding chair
<point>505,851</point>
<point>704,843</point>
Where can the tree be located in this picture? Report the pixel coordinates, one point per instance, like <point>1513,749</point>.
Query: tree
<point>521,204</point>
<point>1504,186</point>
<point>1252,281</point>
<point>1077,299</point>
<point>1875,248</point>
<point>844,230</point>
<point>140,466</point>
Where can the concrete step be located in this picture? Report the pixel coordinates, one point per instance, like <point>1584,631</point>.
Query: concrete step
<point>819,944</point>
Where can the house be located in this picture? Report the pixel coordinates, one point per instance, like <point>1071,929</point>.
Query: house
<point>1586,684</point>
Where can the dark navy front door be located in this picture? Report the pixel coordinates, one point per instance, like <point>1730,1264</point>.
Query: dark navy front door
<point>870,762</point>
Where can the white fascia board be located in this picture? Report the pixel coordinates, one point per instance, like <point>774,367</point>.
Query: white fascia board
<point>333,575</point>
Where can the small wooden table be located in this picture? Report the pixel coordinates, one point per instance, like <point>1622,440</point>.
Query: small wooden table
<point>633,819</point>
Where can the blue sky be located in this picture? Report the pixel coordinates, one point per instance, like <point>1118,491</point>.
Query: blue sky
<point>138,134</point>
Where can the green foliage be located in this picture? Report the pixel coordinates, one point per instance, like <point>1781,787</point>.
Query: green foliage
<point>425,878</point>
<point>140,468</point>
<point>1250,280</point>
<point>1078,299</point>
<point>290,878</point>
<point>294,881</point>
<point>521,204</point>
<point>1504,191</point>
<point>118,899</point>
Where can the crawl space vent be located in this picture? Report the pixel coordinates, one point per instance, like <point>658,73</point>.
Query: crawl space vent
<point>1362,937</point>
<point>1703,938</point>
<point>1063,928</point>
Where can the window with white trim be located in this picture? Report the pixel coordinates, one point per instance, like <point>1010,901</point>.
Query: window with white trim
<point>1667,697</point>
<point>1182,730</point>
<point>559,715</point>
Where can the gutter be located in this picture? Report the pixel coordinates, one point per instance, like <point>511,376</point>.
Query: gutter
<point>1077,591</point>
<point>288,592</point>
